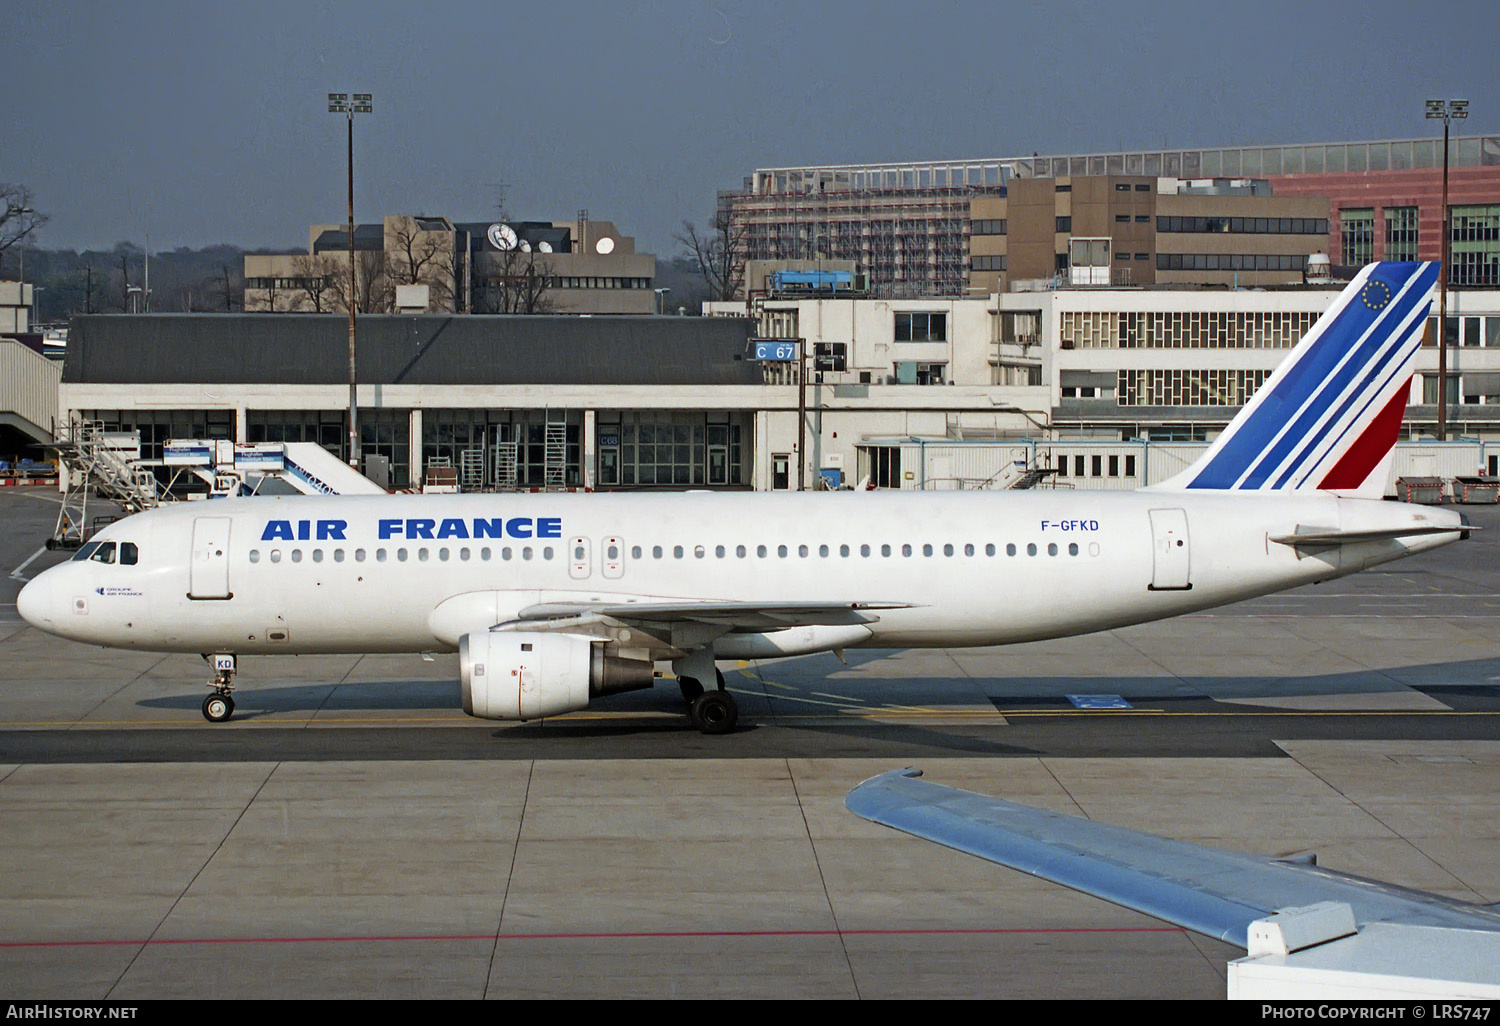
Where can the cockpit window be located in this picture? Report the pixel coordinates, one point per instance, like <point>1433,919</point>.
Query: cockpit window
<point>129,554</point>
<point>105,553</point>
<point>85,552</point>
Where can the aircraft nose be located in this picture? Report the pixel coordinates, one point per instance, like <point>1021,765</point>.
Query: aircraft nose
<point>35,601</point>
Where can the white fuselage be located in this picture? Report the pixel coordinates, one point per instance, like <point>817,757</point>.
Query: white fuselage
<point>356,574</point>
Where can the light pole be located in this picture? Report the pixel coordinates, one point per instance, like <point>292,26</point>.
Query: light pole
<point>661,300</point>
<point>1446,111</point>
<point>340,103</point>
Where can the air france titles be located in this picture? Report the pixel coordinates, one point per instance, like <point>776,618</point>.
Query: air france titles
<point>414,528</point>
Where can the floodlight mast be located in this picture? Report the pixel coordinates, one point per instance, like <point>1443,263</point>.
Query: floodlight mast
<point>340,103</point>
<point>1445,111</point>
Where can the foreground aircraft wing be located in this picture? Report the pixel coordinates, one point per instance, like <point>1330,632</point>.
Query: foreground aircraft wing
<point>1207,890</point>
<point>739,616</point>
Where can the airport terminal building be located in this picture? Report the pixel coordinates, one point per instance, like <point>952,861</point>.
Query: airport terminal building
<point>1104,387</point>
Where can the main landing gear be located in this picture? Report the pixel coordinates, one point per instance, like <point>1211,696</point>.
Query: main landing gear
<point>219,706</point>
<point>712,712</point>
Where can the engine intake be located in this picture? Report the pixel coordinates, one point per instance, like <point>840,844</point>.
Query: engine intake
<point>525,675</point>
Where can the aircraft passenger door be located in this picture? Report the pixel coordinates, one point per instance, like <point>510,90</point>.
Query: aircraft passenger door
<point>613,560</point>
<point>1170,551</point>
<point>208,571</point>
<point>579,563</point>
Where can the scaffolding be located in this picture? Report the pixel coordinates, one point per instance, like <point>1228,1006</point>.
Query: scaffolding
<point>909,241</point>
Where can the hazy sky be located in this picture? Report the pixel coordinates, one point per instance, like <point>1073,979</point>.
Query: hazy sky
<point>206,122</point>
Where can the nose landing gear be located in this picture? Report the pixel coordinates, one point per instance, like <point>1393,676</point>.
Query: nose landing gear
<point>219,706</point>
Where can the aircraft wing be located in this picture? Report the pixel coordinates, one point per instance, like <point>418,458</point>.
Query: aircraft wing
<point>1207,890</point>
<point>737,616</point>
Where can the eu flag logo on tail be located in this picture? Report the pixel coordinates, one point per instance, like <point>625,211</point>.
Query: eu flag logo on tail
<point>1375,295</point>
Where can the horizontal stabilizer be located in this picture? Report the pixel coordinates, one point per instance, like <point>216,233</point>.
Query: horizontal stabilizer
<point>1331,536</point>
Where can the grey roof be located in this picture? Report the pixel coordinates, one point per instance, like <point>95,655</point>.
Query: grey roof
<point>366,237</point>
<point>313,349</point>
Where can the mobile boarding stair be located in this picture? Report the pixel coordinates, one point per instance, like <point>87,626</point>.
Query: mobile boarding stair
<point>104,465</point>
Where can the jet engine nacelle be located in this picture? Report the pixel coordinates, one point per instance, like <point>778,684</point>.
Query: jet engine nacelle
<point>525,675</point>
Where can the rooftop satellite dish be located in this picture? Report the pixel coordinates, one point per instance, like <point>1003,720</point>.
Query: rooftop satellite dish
<point>502,236</point>
<point>525,246</point>
<point>604,246</point>
<point>544,246</point>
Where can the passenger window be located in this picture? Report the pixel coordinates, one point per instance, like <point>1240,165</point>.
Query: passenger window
<point>338,555</point>
<point>546,552</point>
<point>844,551</point>
<point>276,555</point>
<point>719,551</point>
<point>885,550</point>
<point>505,554</point>
<point>947,550</point>
<point>926,550</point>
<point>739,551</point>
<point>760,550</point>
<point>1052,548</point>
<point>677,552</point>
<point>656,552</point>
<point>781,551</point>
<point>463,554</point>
<point>1072,548</point>
<point>1031,549</point>
<point>317,555</point>
<point>401,555</point>
<point>359,555</point>
<point>823,551</point>
<point>1010,550</point>
<point>129,554</point>
<point>906,550</point>
<point>297,555</point>
<point>698,552</point>
<point>635,552</point>
<point>802,551</point>
<point>255,555</point>
<point>968,550</point>
<point>989,550</point>
<point>442,554</point>
<point>379,555</point>
<point>484,554</point>
<point>525,552</point>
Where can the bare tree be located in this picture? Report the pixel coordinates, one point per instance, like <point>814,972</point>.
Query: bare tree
<point>372,286</point>
<point>316,281</point>
<point>92,288</point>
<point>516,281</point>
<point>719,252</point>
<point>19,219</point>
<point>421,257</point>
<point>230,288</point>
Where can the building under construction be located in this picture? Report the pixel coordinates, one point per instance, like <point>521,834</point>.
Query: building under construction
<point>907,225</point>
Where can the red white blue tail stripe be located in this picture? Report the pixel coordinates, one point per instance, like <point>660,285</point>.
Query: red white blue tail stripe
<point>1330,415</point>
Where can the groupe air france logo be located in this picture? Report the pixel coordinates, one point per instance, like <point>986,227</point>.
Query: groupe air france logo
<point>1375,294</point>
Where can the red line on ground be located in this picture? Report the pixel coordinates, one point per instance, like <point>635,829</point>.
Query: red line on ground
<point>641,935</point>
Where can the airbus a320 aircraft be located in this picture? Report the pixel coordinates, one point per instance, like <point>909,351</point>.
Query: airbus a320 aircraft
<point>553,600</point>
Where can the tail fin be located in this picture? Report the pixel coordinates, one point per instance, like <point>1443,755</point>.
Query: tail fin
<point>1329,417</point>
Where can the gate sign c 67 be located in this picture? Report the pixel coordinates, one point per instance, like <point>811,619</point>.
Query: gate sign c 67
<point>775,350</point>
